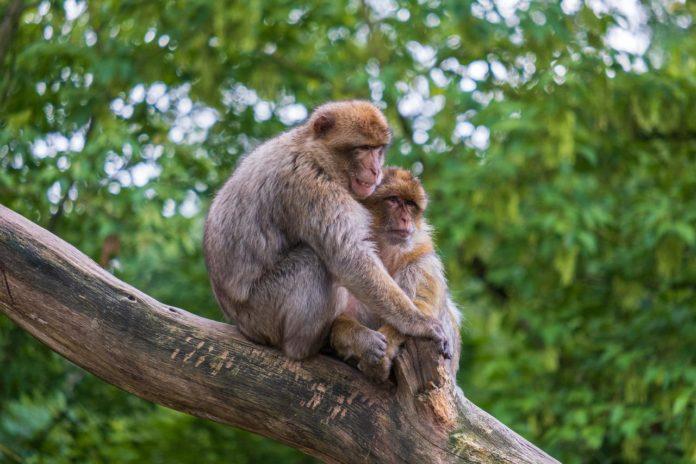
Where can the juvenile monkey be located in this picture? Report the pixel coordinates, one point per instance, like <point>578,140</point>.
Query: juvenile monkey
<point>405,246</point>
<point>286,230</point>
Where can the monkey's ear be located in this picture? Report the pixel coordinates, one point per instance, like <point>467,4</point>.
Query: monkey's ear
<point>322,124</point>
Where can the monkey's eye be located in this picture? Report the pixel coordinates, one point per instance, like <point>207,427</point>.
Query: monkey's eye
<point>411,204</point>
<point>392,199</point>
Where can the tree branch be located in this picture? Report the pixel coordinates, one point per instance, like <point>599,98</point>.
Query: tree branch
<point>206,368</point>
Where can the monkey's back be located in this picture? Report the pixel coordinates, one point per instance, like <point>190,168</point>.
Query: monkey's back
<point>242,236</point>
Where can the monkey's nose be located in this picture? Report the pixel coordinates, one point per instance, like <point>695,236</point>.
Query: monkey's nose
<point>374,165</point>
<point>372,173</point>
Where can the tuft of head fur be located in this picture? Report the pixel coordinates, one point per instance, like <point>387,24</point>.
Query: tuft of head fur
<point>350,123</point>
<point>400,182</point>
<point>395,251</point>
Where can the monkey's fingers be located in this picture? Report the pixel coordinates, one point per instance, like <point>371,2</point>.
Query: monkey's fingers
<point>377,370</point>
<point>374,353</point>
<point>445,349</point>
<point>440,338</point>
<point>374,346</point>
<point>382,339</point>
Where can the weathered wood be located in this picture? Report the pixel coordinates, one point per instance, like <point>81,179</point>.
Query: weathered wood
<point>205,368</point>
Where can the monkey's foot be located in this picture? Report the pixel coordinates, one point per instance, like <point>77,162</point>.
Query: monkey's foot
<point>376,370</point>
<point>370,345</point>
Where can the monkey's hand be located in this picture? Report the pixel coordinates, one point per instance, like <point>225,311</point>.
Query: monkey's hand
<point>433,330</point>
<point>442,342</point>
<point>411,322</point>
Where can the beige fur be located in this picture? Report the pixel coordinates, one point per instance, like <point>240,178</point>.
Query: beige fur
<point>415,266</point>
<point>285,231</point>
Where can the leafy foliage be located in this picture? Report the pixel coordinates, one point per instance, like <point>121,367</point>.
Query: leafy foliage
<point>559,155</point>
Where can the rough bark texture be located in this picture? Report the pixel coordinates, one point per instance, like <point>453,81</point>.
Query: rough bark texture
<point>206,368</point>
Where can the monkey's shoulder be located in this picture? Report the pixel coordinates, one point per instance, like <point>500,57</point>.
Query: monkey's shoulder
<point>421,263</point>
<point>421,252</point>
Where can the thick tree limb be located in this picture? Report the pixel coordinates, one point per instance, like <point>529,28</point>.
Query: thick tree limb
<point>205,368</point>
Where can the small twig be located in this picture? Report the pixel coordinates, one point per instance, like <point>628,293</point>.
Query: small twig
<point>8,452</point>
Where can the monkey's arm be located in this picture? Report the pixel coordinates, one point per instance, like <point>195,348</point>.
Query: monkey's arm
<point>337,228</point>
<point>359,268</point>
<point>423,281</point>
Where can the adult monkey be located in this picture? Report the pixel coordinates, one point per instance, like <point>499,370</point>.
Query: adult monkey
<point>285,231</point>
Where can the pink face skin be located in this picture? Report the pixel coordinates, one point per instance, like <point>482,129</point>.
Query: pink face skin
<point>367,171</point>
<point>400,225</point>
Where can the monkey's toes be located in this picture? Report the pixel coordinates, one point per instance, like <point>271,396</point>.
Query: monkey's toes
<point>375,346</point>
<point>373,354</point>
<point>377,371</point>
<point>382,343</point>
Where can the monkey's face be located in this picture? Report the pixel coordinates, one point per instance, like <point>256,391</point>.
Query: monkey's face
<point>356,134</point>
<point>400,215</point>
<point>365,170</point>
<point>397,206</point>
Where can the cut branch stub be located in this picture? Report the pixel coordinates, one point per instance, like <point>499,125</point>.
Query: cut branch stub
<point>206,368</point>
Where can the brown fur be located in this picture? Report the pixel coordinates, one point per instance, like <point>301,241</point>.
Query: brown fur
<point>416,268</point>
<point>285,231</point>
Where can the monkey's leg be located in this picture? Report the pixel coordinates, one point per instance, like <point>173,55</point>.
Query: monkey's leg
<point>291,306</point>
<point>394,340</point>
<point>379,369</point>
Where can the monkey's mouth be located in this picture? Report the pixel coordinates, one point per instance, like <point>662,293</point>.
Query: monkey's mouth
<point>362,189</point>
<point>400,234</point>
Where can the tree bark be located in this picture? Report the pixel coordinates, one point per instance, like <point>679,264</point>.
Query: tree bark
<point>205,368</point>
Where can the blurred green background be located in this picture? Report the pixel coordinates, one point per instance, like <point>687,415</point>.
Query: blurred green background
<point>557,142</point>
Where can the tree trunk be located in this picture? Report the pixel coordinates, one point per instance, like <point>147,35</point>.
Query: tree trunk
<point>172,357</point>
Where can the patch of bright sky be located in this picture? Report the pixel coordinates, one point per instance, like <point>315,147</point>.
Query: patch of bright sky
<point>424,55</point>
<point>263,111</point>
<point>55,193</point>
<point>190,125</point>
<point>383,8</point>
<point>240,97</point>
<point>631,35</point>
<point>190,205</point>
<point>292,113</point>
<point>73,9</point>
